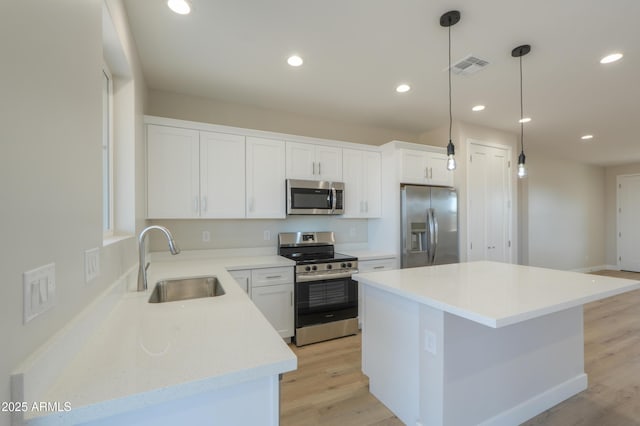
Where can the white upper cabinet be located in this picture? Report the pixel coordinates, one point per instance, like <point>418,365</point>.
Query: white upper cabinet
<point>265,171</point>
<point>362,179</point>
<point>222,175</point>
<point>424,167</point>
<point>313,162</point>
<point>173,175</point>
<point>194,174</point>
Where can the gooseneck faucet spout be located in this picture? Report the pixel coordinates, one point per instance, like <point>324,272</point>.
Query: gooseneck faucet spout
<point>142,271</point>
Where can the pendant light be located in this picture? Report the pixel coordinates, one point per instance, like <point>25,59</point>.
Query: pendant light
<point>519,52</point>
<point>448,20</point>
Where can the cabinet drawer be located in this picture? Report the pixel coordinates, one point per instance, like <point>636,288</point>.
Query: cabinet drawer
<point>271,276</point>
<point>376,265</point>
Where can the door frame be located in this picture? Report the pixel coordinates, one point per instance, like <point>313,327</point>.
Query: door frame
<point>510,201</point>
<point>618,207</point>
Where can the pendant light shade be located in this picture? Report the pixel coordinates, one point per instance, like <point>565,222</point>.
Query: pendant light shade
<point>519,52</point>
<point>448,20</point>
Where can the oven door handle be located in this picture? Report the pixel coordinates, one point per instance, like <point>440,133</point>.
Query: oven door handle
<point>320,277</point>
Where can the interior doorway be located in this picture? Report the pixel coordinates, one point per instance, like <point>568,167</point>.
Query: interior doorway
<point>628,227</point>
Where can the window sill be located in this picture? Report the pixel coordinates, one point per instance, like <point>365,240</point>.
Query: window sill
<point>113,239</point>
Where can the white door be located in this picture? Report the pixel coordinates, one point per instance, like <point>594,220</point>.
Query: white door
<point>628,224</point>
<point>301,163</point>
<point>414,166</point>
<point>265,171</point>
<point>372,184</point>
<point>173,177</point>
<point>222,175</point>
<point>489,208</point>
<point>329,160</point>
<point>352,177</point>
<point>276,304</point>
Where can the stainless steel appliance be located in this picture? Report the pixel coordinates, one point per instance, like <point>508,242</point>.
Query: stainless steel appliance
<point>326,298</point>
<point>314,197</point>
<point>429,221</point>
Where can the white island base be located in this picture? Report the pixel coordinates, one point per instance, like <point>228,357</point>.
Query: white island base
<point>502,356</point>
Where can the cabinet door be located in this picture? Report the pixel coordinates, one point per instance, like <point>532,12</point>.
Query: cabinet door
<point>414,166</point>
<point>243,278</point>
<point>438,173</point>
<point>222,175</point>
<point>329,163</point>
<point>372,187</point>
<point>173,176</point>
<point>352,176</point>
<point>265,171</point>
<point>301,163</point>
<point>276,304</point>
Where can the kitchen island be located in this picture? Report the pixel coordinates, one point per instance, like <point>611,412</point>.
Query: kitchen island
<point>476,343</point>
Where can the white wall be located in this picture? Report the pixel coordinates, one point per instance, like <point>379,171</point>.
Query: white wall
<point>185,107</point>
<point>611,216</point>
<point>244,233</point>
<point>50,165</point>
<point>566,214</point>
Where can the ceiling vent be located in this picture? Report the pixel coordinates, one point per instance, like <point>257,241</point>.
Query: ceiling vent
<point>468,65</point>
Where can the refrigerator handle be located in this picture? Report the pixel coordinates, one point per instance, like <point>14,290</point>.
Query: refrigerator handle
<point>434,235</point>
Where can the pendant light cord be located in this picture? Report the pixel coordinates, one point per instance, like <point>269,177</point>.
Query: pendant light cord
<point>450,115</point>
<point>521,111</point>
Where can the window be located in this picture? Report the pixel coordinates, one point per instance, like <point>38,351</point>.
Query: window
<point>107,152</point>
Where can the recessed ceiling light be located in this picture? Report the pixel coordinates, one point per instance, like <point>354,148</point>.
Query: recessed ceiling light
<point>181,7</point>
<point>524,120</point>
<point>478,108</point>
<point>586,137</point>
<point>611,58</point>
<point>403,88</point>
<point>295,61</point>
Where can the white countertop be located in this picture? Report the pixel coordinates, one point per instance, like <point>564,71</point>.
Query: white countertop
<point>496,294</point>
<point>144,354</point>
<point>368,254</point>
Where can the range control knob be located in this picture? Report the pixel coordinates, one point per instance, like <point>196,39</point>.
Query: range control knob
<point>307,268</point>
<point>349,264</point>
<point>343,265</point>
<point>314,267</point>
<point>329,266</point>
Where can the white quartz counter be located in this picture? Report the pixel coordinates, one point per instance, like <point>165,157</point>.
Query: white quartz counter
<point>496,294</point>
<point>143,354</point>
<point>368,254</point>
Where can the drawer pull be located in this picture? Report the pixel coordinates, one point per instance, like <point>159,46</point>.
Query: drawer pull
<point>378,267</point>
<point>272,277</point>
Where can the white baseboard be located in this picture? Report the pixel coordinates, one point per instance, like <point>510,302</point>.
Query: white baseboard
<point>594,268</point>
<point>539,403</point>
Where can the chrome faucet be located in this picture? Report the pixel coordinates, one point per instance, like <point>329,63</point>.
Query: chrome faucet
<point>142,271</point>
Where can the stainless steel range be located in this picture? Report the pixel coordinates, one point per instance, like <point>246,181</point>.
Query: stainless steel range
<point>326,297</point>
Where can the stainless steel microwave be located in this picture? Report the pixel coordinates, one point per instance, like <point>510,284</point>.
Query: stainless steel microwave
<point>314,197</point>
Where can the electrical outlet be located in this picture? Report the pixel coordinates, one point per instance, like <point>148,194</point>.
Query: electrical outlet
<point>430,342</point>
<point>206,236</point>
<point>39,291</point>
<point>91,264</point>
<point>267,235</point>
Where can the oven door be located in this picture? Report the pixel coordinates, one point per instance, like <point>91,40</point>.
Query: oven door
<point>323,301</point>
<point>314,197</point>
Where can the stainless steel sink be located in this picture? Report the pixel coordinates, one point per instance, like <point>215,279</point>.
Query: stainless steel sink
<point>186,288</point>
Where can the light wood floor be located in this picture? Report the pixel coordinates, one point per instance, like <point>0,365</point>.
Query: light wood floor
<point>329,388</point>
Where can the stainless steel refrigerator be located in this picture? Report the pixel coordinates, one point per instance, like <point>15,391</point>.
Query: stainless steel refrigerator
<point>429,221</point>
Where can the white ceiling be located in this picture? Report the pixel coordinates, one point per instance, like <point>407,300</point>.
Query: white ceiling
<point>357,51</point>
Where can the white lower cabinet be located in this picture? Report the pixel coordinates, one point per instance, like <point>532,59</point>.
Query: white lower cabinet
<point>374,265</point>
<point>271,290</point>
<point>243,277</point>
<point>276,304</point>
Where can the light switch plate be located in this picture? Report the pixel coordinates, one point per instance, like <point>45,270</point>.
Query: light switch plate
<point>39,287</point>
<point>91,264</point>
<point>430,342</point>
